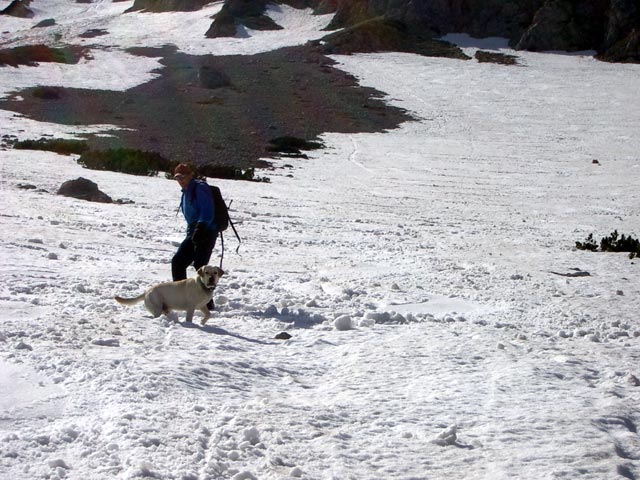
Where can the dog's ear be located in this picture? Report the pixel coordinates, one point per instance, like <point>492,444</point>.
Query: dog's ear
<point>220,271</point>
<point>201,271</point>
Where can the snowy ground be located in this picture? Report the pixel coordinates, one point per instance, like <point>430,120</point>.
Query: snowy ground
<point>413,269</point>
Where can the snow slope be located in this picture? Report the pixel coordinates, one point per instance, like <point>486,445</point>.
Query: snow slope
<point>413,269</point>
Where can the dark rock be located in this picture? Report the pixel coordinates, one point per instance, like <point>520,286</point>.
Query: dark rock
<point>624,19</point>
<point>249,13</point>
<point>260,22</point>
<point>282,336</point>
<point>576,273</point>
<point>83,189</point>
<point>222,26</point>
<point>386,35</point>
<point>158,6</point>
<point>611,27</point>
<point>626,50</point>
<point>49,22</point>
<point>566,25</point>
<point>26,186</point>
<point>106,342</point>
<point>18,8</point>
<point>210,77</point>
<point>622,39</point>
<point>493,57</point>
<point>94,32</point>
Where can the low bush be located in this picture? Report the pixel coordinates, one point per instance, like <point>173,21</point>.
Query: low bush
<point>124,160</point>
<point>613,243</point>
<point>138,162</point>
<point>224,172</point>
<point>34,54</point>
<point>292,145</point>
<point>57,145</point>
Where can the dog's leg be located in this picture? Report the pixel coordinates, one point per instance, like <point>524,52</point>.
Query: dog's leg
<point>152,306</point>
<point>189,318</point>
<point>207,314</point>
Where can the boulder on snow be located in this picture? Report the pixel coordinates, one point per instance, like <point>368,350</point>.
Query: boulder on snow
<point>49,22</point>
<point>83,189</point>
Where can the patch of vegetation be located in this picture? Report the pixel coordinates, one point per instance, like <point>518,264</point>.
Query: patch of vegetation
<point>47,93</point>
<point>492,57</point>
<point>231,173</point>
<point>125,160</point>
<point>292,146</point>
<point>222,171</point>
<point>33,54</point>
<point>144,163</point>
<point>57,145</point>
<point>612,243</point>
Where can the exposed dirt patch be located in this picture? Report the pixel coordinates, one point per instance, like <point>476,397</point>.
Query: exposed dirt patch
<point>289,92</point>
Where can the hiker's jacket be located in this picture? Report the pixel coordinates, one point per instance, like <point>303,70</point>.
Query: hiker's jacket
<point>197,206</point>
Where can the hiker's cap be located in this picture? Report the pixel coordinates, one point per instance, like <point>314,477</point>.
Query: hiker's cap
<point>182,169</point>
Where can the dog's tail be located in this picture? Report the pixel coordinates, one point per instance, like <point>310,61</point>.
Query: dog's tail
<point>130,301</point>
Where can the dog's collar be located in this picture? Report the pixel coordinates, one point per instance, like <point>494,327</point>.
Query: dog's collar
<point>205,288</point>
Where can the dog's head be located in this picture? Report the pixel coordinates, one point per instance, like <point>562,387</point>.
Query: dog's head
<point>210,275</point>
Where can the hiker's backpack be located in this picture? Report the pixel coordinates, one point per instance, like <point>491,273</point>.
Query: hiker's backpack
<point>221,211</point>
<point>222,219</point>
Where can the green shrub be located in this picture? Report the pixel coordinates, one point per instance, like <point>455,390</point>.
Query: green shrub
<point>588,244</point>
<point>222,171</point>
<point>612,243</point>
<point>124,160</point>
<point>34,54</point>
<point>57,145</point>
<point>615,243</point>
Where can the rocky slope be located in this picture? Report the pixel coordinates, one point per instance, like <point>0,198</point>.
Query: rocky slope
<point>610,27</point>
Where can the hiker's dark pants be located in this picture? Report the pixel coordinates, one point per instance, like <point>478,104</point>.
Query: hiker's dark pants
<point>188,253</point>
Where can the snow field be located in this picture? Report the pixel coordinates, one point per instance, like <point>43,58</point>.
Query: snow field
<point>413,269</point>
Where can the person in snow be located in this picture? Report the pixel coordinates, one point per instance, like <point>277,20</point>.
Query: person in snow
<point>199,211</point>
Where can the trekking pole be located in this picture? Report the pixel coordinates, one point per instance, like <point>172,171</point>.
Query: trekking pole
<point>222,244</point>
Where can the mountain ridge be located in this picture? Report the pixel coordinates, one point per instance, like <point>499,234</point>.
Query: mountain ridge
<point>609,27</point>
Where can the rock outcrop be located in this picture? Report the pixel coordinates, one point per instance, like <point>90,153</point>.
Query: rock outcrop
<point>157,6</point>
<point>18,8</point>
<point>610,27</point>
<point>249,13</point>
